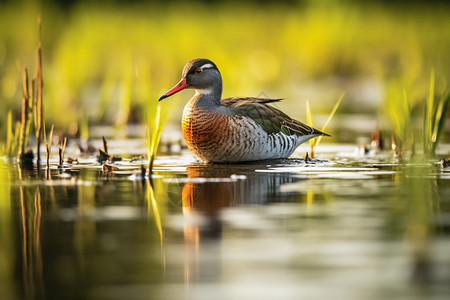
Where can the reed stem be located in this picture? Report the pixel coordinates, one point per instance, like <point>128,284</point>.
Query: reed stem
<point>39,100</point>
<point>61,152</point>
<point>24,115</point>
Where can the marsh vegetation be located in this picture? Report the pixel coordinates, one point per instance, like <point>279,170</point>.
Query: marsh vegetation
<point>124,211</point>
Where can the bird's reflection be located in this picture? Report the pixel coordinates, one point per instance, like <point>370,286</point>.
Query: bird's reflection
<point>209,190</point>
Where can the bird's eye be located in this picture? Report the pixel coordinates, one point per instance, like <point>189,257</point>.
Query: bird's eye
<point>198,70</point>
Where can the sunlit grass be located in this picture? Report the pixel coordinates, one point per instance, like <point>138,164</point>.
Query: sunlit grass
<point>315,142</point>
<point>48,146</point>
<point>153,134</point>
<point>31,108</point>
<point>12,137</point>
<point>405,110</point>
<point>25,115</point>
<point>434,115</point>
<point>398,109</point>
<point>102,64</point>
<point>330,117</point>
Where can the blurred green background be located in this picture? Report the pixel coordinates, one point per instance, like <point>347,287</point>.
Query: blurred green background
<point>107,62</point>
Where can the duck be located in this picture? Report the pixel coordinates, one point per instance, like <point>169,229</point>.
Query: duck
<point>235,129</point>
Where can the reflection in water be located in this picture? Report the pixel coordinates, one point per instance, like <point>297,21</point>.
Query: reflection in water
<point>208,190</point>
<point>32,261</point>
<point>153,213</point>
<point>85,233</point>
<point>237,234</point>
<point>421,206</point>
<point>7,238</point>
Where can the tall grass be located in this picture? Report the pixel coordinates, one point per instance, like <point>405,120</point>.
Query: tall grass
<point>309,119</point>
<point>434,115</point>
<point>406,110</point>
<point>39,104</point>
<point>153,134</point>
<point>25,120</point>
<point>87,69</point>
<point>48,146</point>
<point>398,109</point>
<point>32,105</point>
<point>12,137</point>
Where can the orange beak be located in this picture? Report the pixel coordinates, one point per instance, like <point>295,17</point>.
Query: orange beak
<point>178,87</point>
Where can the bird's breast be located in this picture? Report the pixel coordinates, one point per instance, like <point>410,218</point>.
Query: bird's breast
<point>203,130</point>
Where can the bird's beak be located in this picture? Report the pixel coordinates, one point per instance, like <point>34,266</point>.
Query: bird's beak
<point>178,87</point>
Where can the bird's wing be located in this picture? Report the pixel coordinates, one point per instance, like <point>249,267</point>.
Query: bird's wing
<point>271,119</point>
<point>242,100</point>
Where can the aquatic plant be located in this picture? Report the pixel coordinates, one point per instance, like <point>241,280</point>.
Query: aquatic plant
<point>153,134</point>
<point>309,119</point>
<point>31,105</point>
<point>48,147</point>
<point>403,111</point>
<point>434,115</point>
<point>310,122</point>
<point>25,120</point>
<point>38,105</point>
<point>62,149</point>
<point>398,110</point>
<point>340,39</point>
<point>12,137</point>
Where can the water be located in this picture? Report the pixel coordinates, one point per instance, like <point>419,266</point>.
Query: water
<point>346,227</point>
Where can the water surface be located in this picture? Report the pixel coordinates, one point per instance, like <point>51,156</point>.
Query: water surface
<point>343,227</point>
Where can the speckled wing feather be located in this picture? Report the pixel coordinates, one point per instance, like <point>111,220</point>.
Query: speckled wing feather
<point>270,118</point>
<point>233,101</point>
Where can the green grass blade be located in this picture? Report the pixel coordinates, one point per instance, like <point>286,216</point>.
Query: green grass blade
<point>430,100</point>
<point>309,118</point>
<point>330,117</point>
<point>15,144</point>
<point>440,118</point>
<point>153,138</point>
<point>309,121</point>
<point>9,134</point>
<point>429,120</point>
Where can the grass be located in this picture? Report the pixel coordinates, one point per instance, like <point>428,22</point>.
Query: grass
<point>48,147</point>
<point>153,134</point>
<point>12,137</point>
<point>398,109</point>
<point>309,119</point>
<point>39,104</point>
<point>32,105</point>
<point>93,78</point>
<point>405,109</point>
<point>90,73</point>
<point>62,149</point>
<point>25,120</point>
<point>434,115</point>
